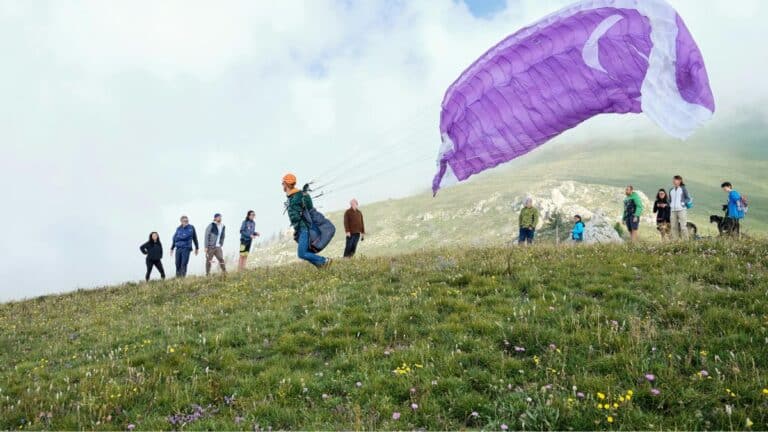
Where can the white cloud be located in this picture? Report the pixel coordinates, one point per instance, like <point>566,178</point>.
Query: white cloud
<point>119,116</point>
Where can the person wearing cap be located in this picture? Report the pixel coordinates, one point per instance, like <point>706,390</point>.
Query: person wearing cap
<point>354,227</point>
<point>247,234</point>
<point>298,203</point>
<point>214,240</point>
<point>183,239</point>
<point>529,218</point>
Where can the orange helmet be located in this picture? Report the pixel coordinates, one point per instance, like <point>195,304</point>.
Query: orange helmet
<point>289,179</point>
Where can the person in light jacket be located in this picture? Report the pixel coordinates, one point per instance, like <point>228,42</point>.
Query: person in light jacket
<point>214,241</point>
<point>529,219</point>
<point>679,203</point>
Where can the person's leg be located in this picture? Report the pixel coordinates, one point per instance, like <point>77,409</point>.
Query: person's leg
<point>159,265</point>
<point>305,254</point>
<point>219,254</point>
<point>149,269</point>
<point>178,263</point>
<point>208,259</point>
<point>355,239</point>
<point>674,227</point>
<point>683,220</point>
<point>530,235</point>
<point>521,236</point>
<point>348,247</point>
<point>185,253</point>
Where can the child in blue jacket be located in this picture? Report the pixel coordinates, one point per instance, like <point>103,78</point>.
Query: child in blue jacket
<point>577,233</point>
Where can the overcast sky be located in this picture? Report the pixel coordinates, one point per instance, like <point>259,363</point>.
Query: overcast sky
<point>116,117</point>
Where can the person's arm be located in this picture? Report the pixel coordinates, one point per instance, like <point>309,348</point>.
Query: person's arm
<point>143,248</point>
<point>194,239</point>
<point>535,218</point>
<point>638,206</point>
<point>655,207</point>
<point>173,241</point>
<point>362,223</point>
<point>520,218</point>
<point>294,213</point>
<point>223,234</point>
<point>244,229</point>
<point>347,217</point>
<point>578,228</point>
<point>206,236</point>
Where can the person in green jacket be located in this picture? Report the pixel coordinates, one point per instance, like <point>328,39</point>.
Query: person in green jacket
<point>633,209</point>
<point>529,218</point>
<point>298,202</point>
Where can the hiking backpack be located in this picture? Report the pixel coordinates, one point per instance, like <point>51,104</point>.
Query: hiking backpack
<point>743,204</point>
<point>321,230</point>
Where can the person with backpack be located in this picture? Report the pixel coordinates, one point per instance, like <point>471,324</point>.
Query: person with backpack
<point>299,203</point>
<point>633,209</point>
<point>679,203</point>
<point>153,249</point>
<point>735,210</point>
<point>528,220</point>
<point>247,234</point>
<point>214,242</point>
<point>577,233</point>
<point>354,226</point>
<point>662,212</point>
<point>183,239</point>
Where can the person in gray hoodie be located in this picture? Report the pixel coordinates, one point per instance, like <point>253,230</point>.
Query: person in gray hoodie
<point>214,241</point>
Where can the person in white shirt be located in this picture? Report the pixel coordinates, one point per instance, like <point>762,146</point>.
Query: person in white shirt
<point>679,203</point>
<point>214,240</point>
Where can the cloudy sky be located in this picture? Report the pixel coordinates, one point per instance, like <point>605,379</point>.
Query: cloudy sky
<point>117,117</point>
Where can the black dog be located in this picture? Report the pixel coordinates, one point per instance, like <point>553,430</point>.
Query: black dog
<point>725,226</point>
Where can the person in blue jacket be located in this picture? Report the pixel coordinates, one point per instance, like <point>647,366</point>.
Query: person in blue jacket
<point>577,234</point>
<point>183,239</point>
<point>735,209</point>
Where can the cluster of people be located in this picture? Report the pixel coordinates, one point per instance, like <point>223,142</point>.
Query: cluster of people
<point>671,210</point>
<point>670,207</point>
<point>185,240</point>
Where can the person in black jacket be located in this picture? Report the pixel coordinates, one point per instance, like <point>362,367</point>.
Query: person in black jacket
<point>663,214</point>
<point>153,249</point>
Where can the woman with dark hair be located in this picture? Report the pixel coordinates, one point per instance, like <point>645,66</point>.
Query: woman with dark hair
<point>153,249</point>
<point>247,234</point>
<point>663,213</point>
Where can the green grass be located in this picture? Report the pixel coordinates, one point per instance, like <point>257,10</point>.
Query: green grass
<point>290,343</point>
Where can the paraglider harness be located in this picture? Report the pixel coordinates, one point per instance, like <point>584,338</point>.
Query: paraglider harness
<point>321,230</point>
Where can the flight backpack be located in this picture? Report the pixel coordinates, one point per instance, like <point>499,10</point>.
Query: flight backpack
<point>321,230</point>
<point>742,205</point>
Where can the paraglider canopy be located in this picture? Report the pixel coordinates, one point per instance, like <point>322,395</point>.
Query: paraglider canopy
<point>593,57</point>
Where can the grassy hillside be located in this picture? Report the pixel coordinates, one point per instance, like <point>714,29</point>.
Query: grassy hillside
<point>608,337</point>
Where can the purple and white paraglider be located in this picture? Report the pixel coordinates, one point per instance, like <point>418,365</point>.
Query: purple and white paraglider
<point>594,57</point>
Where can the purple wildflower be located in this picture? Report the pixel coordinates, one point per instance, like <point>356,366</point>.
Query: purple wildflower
<point>413,390</point>
<point>580,395</point>
<point>519,349</point>
<point>655,391</point>
<point>229,400</point>
<point>475,414</point>
<point>131,427</point>
<point>650,377</point>
<point>552,346</point>
<point>704,373</point>
<point>504,427</point>
<point>395,415</point>
<point>414,406</point>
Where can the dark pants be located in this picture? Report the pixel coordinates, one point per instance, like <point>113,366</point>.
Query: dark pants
<point>526,235</point>
<point>182,259</point>
<point>351,247</point>
<point>731,227</point>
<point>154,263</point>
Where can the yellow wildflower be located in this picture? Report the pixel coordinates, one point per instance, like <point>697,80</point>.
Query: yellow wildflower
<point>600,395</point>
<point>630,393</point>
<point>610,419</point>
<point>765,391</point>
<point>749,423</point>
<point>599,406</point>
<point>621,398</point>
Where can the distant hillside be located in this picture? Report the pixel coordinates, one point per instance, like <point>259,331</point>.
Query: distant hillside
<point>588,176</point>
<point>583,338</point>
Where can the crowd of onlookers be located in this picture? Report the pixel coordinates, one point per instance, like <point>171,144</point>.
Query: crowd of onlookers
<point>670,207</point>
<point>185,241</point>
